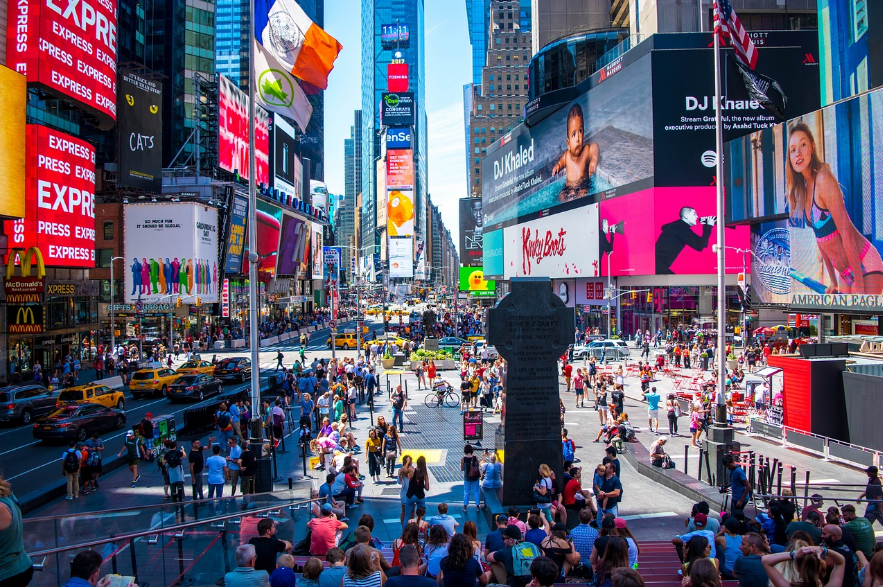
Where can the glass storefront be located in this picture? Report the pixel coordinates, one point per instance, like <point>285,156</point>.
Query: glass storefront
<point>666,308</point>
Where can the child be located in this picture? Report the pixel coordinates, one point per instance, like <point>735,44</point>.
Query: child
<point>579,160</point>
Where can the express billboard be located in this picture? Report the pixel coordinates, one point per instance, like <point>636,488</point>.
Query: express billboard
<point>831,244</point>
<point>236,235</point>
<point>472,280</point>
<point>470,232</point>
<point>13,97</point>
<point>233,133</point>
<point>60,199</point>
<point>397,109</point>
<point>68,48</point>
<point>601,141</point>
<point>172,249</point>
<point>140,131</point>
<point>294,247</point>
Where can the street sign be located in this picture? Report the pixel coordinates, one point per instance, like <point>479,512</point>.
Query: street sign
<point>334,324</point>
<point>139,307</point>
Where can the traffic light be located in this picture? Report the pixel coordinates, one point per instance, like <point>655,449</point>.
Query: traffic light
<point>649,297</point>
<point>178,303</point>
<point>137,329</point>
<point>198,301</point>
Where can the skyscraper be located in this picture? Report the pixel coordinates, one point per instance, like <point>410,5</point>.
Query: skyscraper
<point>376,55</point>
<point>345,222</point>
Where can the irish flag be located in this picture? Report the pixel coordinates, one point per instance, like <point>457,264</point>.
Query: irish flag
<point>287,34</point>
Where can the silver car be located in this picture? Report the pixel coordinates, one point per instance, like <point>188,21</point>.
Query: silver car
<point>22,403</point>
<point>611,349</point>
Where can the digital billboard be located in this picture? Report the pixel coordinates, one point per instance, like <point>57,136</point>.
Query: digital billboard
<point>601,141</point>
<point>285,167</point>
<point>472,280</point>
<point>850,47</point>
<point>269,225</point>
<point>397,109</point>
<point>294,246</point>
<point>316,247</point>
<point>68,48</point>
<point>400,168</point>
<point>470,232</point>
<point>397,77</point>
<point>401,256</point>
<point>398,138</point>
<point>236,235</point>
<point>13,94</point>
<point>754,171</point>
<point>140,130</point>
<point>59,214</point>
<point>400,192</point>
<point>395,35</point>
<point>233,133</point>
<point>330,267</point>
<point>171,249</point>
<point>831,243</point>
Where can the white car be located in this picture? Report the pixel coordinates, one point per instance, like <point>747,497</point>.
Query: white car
<point>610,348</point>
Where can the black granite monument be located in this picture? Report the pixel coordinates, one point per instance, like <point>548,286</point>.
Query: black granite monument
<point>531,329</point>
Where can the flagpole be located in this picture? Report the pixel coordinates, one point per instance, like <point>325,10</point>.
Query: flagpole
<point>253,257</point>
<point>720,355</point>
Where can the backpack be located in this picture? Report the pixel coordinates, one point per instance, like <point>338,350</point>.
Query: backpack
<point>94,458</point>
<point>224,421</point>
<point>567,449</point>
<point>278,419</point>
<point>626,432</point>
<point>523,555</point>
<point>71,462</point>
<point>173,459</point>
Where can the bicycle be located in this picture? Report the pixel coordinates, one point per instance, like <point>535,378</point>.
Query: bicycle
<point>442,394</point>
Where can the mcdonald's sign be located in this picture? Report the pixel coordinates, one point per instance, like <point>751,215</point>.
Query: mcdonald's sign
<point>24,319</point>
<point>25,288</point>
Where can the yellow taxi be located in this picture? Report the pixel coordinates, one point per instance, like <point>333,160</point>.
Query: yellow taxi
<point>149,381</point>
<point>374,310</point>
<point>381,341</point>
<point>474,339</point>
<point>196,368</point>
<point>93,393</point>
<point>346,340</point>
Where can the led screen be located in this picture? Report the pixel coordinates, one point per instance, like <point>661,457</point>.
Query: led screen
<point>233,134</point>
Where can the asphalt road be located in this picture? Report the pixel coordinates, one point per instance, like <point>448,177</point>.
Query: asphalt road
<point>29,464</point>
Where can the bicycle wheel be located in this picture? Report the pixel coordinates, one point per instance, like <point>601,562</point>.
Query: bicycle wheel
<point>431,400</point>
<point>452,400</point>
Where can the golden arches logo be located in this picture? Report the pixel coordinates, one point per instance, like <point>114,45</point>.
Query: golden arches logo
<point>26,262</point>
<point>23,315</point>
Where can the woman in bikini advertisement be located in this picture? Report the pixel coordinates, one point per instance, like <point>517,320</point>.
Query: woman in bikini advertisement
<point>832,200</point>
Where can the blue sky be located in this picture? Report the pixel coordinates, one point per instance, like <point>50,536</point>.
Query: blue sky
<point>448,67</point>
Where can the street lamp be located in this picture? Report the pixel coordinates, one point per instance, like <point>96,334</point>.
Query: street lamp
<point>113,326</point>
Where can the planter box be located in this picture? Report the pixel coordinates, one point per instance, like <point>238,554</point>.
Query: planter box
<point>269,341</point>
<point>440,365</point>
<point>238,343</point>
<point>219,344</point>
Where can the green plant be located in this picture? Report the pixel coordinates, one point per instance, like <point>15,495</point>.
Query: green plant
<point>731,357</point>
<point>424,355</point>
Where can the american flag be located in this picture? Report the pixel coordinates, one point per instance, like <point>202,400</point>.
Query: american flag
<point>728,25</point>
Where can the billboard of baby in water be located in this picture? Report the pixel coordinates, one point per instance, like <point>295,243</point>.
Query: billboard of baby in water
<point>602,140</point>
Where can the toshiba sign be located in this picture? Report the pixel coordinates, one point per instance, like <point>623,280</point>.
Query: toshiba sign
<point>69,47</point>
<point>60,210</point>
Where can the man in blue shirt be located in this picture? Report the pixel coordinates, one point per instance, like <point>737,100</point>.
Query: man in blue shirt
<point>443,519</point>
<point>611,492</point>
<point>85,569</point>
<point>370,382</point>
<point>583,536</point>
<point>235,417</point>
<point>653,409</point>
<point>700,520</point>
<point>739,486</point>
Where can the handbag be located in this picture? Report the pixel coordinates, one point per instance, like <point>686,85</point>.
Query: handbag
<point>391,454</point>
<point>540,498</point>
<point>473,470</point>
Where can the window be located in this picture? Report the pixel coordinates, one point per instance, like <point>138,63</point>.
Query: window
<point>483,129</point>
<point>516,86</point>
<point>103,257</point>
<point>108,230</point>
<point>476,150</point>
<point>508,77</point>
<point>492,106</point>
<point>476,140</point>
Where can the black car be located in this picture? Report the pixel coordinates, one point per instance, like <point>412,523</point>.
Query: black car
<point>194,387</point>
<point>236,369</point>
<point>78,422</point>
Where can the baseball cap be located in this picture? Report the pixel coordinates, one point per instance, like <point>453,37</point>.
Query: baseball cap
<point>872,470</point>
<point>130,433</point>
<point>619,522</point>
<point>608,522</point>
<point>326,507</point>
<point>502,519</point>
<point>512,531</point>
<point>700,518</point>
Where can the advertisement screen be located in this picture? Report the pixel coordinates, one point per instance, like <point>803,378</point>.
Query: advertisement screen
<point>601,141</point>
<point>319,195</point>
<point>70,48</point>
<point>472,280</point>
<point>395,35</point>
<point>683,102</point>
<point>140,129</point>
<point>330,267</point>
<point>397,109</point>
<point>400,188</point>
<point>397,77</point>
<point>294,246</point>
<point>13,94</point>
<point>269,225</point>
<point>754,171</point>
<point>60,201</point>
<point>286,168</point>
<point>470,232</point>
<point>236,236</point>
<point>233,133</point>
<point>398,138</point>
<point>850,51</point>
<point>401,256</point>
<point>171,249</point>
<point>492,252</point>
<point>832,240</point>
<point>316,248</point>
<point>400,168</point>
<point>560,245</point>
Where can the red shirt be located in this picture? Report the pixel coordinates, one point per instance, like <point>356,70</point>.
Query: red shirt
<point>568,369</point>
<point>767,351</point>
<point>323,534</point>
<point>570,491</point>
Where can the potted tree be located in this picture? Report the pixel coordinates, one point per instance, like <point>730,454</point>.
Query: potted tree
<point>387,360</point>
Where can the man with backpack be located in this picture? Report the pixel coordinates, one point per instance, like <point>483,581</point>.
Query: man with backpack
<point>93,463</point>
<point>173,459</point>
<point>568,448</point>
<point>225,424</point>
<point>399,401</point>
<point>511,565</point>
<point>70,468</point>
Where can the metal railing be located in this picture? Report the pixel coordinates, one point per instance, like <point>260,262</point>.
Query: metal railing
<point>175,551</point>
<point>828,448</point>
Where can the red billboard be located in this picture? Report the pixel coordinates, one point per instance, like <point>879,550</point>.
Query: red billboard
<point>70,48</point>
<point>233,133</point>
<point>60,199</point>
<point>397,77</point>
<point>400,168</point>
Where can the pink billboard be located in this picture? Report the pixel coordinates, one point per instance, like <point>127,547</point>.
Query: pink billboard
<point>665,231</point>
<point>233,133</point>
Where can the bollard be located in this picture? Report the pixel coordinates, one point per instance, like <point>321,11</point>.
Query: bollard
<point>699,472</point>
<point>806,489</point>
<point>793,481</point>
<point>779,480</point>
<point>290,484</point>
<point>686,457</point>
